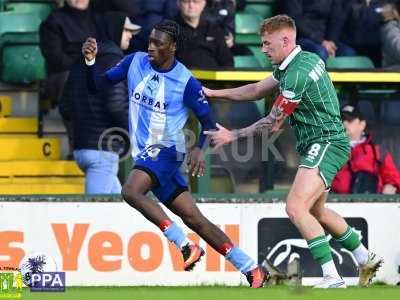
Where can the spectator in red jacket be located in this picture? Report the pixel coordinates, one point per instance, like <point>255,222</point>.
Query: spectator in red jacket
<point>371,168</point>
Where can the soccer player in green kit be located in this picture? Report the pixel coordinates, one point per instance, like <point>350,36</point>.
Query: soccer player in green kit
<point>308,98</point>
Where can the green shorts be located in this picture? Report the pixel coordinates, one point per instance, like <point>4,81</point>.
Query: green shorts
<point>329,157</point>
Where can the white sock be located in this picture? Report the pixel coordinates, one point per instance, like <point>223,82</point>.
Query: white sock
<point>329,269</point>
<point>361,254</point>
<point>185,242</point>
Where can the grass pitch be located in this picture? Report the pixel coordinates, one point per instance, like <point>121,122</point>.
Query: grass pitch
<point>218,293</point>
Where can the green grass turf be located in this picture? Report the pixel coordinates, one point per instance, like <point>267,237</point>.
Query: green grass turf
<point>218,293</point>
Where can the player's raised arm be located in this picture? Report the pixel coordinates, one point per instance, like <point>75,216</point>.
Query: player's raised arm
<point>100,81</point>
<point>253,91</point>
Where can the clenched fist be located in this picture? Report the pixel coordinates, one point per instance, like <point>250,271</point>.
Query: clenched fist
<point>89,49</point>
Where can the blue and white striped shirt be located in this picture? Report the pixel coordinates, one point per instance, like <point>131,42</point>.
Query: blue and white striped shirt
<point>158,101</point>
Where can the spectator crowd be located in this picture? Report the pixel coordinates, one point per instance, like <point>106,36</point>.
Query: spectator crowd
<point>329,28</point>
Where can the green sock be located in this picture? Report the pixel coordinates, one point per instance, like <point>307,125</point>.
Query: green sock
<point>320,249</point>
<point>349,239</point>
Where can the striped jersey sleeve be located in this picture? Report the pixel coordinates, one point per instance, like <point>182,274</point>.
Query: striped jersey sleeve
<point>294,85</point>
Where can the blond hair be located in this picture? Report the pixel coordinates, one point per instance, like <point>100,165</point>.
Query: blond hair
<point>276,23</point>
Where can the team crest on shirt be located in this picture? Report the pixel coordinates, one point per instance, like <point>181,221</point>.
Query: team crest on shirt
<point>153,84</point>
<point>150,152</point>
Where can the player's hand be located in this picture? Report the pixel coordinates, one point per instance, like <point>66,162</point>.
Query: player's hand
<point>89,49</point>
<point>273,124</point>
<point>208,92</point>
<point>264,124</point>
<point>333,45</point>
<point>221,136</point>
<point>229,40</point>
<point>330,47</point>
<point>195,162</point>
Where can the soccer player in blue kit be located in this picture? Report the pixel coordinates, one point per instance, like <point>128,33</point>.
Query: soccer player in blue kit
<point>161,90</point>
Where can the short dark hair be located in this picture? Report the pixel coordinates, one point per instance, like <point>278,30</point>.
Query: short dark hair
<point>171,28</point>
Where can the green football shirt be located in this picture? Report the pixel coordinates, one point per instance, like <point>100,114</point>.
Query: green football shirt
<point>302,78</point>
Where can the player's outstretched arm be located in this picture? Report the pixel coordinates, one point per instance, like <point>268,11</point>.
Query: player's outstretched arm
<point>95,81</point>
<point>253,91</point>
<point>224,136</point>
<point>101,81</point>
<point>281,109</point>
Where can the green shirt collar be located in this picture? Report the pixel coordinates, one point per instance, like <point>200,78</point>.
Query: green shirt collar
<point>289,58</point>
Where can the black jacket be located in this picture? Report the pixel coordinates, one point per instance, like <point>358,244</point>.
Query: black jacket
<point>62,35</point>
<point>130,7</point>
<point>91,115</point>
<point>203,47</point>
<point>363,23</point>
<point>221,12</point>
<point>151,13</point>
<point>317,20</point>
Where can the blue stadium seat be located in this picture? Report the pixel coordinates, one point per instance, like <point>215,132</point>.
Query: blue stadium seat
<point>241,109</point>
<point>389,112</point>
<point>368,111</point>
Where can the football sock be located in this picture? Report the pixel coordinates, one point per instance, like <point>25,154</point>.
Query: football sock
<point>351,241</point>
<point>240,260</point>
<point>174,234</point>
<point>321,252</point>
<point>361,254</point>
<point>225,248</point>
<point>329,268</point>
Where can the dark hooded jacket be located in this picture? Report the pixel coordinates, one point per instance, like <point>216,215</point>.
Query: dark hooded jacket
<point>92,115</point>
<point>62,35</point>
<point>130,7</point>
